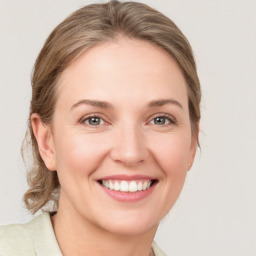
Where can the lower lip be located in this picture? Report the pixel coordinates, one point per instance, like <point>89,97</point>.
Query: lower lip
<point>128,196</point>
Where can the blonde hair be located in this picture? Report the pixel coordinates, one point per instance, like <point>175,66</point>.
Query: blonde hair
<point>90,25</point>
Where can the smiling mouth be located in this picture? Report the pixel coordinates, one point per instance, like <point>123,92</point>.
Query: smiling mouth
<point>127,185</point>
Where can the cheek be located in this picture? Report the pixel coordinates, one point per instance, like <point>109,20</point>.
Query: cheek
<point>79,154</point>
<point>172,154</point>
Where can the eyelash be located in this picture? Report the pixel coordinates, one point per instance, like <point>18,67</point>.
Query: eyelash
<point>87,118</point>
<point>169,118</point>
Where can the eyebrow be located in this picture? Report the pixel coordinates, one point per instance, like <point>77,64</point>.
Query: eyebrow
<point>159,103</point>
<point>95,103</point>
<point>107,105</point>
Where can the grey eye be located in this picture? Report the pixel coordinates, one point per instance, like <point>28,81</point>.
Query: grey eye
<point>93,121</point>
<point>161,120</point>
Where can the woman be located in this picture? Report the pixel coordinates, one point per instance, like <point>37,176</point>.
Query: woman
<point>114,125</point>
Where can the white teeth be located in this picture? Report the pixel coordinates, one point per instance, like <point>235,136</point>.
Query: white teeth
<point>110,185</point>
<point>126,186</point>
<point>145,185</point>
<point>133,186</point>
<point>116,186</point>
<point>105,183</point>
<point>139,186</point>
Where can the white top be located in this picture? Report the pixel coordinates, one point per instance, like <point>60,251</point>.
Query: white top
<point>36,238</point>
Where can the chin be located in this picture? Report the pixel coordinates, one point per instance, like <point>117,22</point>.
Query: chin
<point>126,229</point>
<point>129,224</point>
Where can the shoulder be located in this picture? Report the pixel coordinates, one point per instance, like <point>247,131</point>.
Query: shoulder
<point>15,240</point>
<point>33,238</point>
<point>157,250</point>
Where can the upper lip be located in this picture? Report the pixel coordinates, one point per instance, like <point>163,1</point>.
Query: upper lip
<point>127,177</point>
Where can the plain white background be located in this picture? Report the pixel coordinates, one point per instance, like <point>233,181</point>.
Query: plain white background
<point>216,212</point>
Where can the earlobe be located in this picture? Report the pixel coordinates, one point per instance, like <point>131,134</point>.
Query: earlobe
<point>45,142</point>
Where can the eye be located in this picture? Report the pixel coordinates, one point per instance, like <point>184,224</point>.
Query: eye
<point>162,120</point>
<point>93,121</point>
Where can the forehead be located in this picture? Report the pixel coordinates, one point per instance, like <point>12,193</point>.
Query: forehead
<point>114,70</point>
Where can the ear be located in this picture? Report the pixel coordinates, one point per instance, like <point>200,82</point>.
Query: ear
<point>45,141</point>
<point>193,147</point>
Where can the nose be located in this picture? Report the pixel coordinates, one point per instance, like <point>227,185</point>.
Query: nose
<point>129,146</point>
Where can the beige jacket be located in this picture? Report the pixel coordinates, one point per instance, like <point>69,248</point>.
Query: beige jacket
<point>36,238</point>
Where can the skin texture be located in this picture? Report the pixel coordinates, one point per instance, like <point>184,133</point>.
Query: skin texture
<point>127,140</point>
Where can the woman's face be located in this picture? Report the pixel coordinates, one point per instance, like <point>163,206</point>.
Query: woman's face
<point>121,123</point>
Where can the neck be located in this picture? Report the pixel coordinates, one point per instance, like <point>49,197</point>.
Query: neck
<point>77,236</point>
